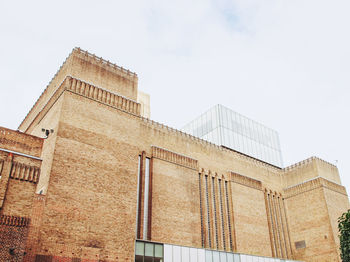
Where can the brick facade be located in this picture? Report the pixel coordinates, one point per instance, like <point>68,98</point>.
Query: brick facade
<point>107,176</point>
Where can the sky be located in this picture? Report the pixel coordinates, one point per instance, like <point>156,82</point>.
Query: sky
<point>282,63</point>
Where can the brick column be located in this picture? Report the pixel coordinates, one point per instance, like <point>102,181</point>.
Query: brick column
<point>5,176</point>
<point>33,238</point>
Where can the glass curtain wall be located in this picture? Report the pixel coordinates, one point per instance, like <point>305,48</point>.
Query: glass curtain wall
<point>222,126</point>
<point>146,251</point>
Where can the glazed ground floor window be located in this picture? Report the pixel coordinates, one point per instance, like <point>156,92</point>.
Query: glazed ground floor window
<point>148,252</point>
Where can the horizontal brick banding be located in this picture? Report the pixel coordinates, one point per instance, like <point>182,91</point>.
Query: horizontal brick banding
<point>25,172</point>
<point>20,142</point>
<point>313,184</point>
<point>246,181</point>
<point>14,221</point>
<point>175,158</point>
<point>103,96</point>
<point>92,92</point>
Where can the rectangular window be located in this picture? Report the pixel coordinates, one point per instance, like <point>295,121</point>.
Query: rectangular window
<point>145,203</point>
<point>148,252</point>
<point>138,196</point>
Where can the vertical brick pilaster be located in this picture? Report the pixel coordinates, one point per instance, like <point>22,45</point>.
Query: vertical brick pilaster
<point>5,176</point>
<point>269,222</point>
<point>34,228</point>
<point>224,217</point>
<point>204,227</point>
<point>211,211</point>
<point>217,214</point>
<point>141,186</point>
<point>232,218</point>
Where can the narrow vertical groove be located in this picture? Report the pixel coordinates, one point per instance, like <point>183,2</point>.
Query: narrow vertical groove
<point>208,211</point>
<point>201,208</point>
<point>215,216</point>
<point>222,217</point>
<point>1,166</point>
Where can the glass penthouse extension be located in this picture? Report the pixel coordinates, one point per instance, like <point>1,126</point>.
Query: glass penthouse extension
<point>222,126</point>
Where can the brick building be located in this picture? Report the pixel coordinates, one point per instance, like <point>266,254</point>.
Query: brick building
<point>89,177</point>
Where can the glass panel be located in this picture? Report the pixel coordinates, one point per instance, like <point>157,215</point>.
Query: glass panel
<point>193,255</point>
<point>223,257</point>
<point>176,253</point>
<point>145,203</point>
<point>140,248</point>
<point>208,256</point>
<point>243,258</point>
<point>158,250</point>
<point>158,259</point>
<point>216,256</point>
<point>185,254</point>
<point>237,258</point>
<point>168,253</point>
<point>201,255</point>
<point>149,250</point>
<point>138,258</point>
<point>230,257</point>
<point>255,259</point>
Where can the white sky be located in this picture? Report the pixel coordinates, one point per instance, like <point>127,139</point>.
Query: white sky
<point>282,63</point>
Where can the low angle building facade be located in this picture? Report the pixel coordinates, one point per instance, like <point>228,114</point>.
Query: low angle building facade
<point>88,176</point>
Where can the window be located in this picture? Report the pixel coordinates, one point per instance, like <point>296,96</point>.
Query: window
<point>148,252</point>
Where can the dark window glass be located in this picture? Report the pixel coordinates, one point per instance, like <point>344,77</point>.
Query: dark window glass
<point>138,258</point>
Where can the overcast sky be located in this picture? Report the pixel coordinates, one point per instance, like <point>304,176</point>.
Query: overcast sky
<point>282,63</point>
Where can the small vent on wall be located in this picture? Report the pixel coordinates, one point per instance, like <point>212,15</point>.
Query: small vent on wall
<point>300,244</point>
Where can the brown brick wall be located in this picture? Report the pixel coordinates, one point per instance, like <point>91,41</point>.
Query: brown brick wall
<point>252,233</point>
<point>175,204</point>
<point>312,225</point>
<point>89,178</point>
<point>13,234</point>
<point>20,142</point>
<point>98,207</point>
